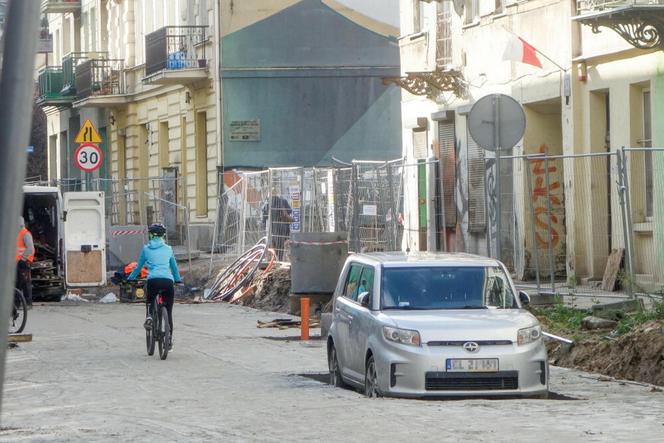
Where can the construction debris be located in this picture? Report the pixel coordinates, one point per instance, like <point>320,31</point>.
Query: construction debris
<point>270,291</point>
<point>286,323</point>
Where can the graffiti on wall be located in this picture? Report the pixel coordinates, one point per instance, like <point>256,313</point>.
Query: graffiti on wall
<point>545,196</point>
<point>461,191</point>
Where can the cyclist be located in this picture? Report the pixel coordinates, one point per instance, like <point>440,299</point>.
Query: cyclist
<point>162,272</point>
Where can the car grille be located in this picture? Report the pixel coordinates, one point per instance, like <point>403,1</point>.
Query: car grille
<point>471,381</point>
<point>462,342</point>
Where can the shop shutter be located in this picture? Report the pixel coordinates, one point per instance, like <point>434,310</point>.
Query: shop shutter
<point>447,141</point>
<point>476,193</point>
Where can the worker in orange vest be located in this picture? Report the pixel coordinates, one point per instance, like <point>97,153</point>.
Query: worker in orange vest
<point>25,255</point>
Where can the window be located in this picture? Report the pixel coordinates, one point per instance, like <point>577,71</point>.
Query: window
<point>352,282</point>
<point>446,287</point>
<point>201,165</point>
<point>419,20</point>
<point>366,281</point>
<point>444,35</point>
<point>472,8</point>
<point>183,159</point>
<point>646,142</point>
<point>163,145</point>
<point>500,6</point>
<point>202,19</point>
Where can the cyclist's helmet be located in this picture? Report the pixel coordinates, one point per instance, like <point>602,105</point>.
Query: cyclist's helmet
<point>157,229</point>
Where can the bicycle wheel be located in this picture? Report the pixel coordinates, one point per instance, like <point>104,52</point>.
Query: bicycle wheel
<point>150,336</point>
<point>19,315</point>
<point>164,333</point>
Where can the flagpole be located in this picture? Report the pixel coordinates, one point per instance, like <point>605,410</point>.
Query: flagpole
<point>536,50</point>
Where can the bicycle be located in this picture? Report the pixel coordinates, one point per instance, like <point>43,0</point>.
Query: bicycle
<point>19,314</point>
<point>160,332</point>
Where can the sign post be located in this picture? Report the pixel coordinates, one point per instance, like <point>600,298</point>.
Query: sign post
<point>88,156</point>
<point>497,122</point>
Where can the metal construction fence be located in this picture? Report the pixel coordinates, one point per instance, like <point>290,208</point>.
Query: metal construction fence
<point>363,199</point>
<point>575,220</point>
<point>138,201</point>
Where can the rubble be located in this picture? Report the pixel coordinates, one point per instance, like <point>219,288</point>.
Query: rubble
<point>270,290</point>
<point>591,323</point>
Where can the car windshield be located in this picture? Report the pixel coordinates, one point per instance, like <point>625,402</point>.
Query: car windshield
<point>446,287</point>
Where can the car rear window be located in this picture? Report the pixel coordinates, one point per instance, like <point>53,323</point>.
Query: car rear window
<point>446,287</point>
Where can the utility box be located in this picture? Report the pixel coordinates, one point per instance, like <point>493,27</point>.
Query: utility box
<point>316,261</point>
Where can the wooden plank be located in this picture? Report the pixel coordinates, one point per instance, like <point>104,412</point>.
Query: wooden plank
<point>613,264</point>
<point>83,267</point>
<point>19,338</point>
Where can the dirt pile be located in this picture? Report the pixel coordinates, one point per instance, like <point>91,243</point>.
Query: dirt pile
<point>638,355</point>
<point>270,290</point>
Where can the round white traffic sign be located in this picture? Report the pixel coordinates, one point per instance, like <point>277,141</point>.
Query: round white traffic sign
<point>88,157</point>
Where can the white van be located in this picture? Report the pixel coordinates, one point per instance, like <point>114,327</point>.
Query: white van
<point>70,239</point>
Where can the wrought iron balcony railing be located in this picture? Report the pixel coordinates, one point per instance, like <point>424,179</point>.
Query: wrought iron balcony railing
<point>100,77</point>
<point>585,6</point>
<point>639,22</point>
<point>175,48</point>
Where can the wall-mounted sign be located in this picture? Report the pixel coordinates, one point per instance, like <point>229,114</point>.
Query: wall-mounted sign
<point>245,131</point>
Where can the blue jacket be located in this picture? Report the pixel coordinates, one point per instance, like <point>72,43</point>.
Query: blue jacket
<point>160,260</point>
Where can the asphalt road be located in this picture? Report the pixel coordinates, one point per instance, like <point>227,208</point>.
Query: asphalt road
<point>86,378</point>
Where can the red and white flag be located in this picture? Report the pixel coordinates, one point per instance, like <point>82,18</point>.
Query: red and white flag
<point>519,50</point>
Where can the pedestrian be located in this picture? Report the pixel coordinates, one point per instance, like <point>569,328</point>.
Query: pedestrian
<point>280,215</point>
<point>25,255</point>
<point>162,273</point>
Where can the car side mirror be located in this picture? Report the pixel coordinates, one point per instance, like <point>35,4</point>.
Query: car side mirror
<point>363,299</point>
<point>524,298</point>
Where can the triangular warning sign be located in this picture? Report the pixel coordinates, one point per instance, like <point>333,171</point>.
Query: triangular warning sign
<point>87,134</point>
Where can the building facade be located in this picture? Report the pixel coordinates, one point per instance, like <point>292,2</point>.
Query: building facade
<point>182,90</point>
<point>594,94</point>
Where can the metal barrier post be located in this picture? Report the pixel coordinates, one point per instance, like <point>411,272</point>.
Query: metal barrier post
<point>623,193</point>
<point>552,265</point>
<point>533,234</point>
<point>355,204</point>
<point>186,221</point>
<point>220,211</point>
<point>268,226</point>
<point>304,316</point>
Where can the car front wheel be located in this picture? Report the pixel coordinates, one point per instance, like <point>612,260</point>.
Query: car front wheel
<point>371,379</point>
<point>335,370</point>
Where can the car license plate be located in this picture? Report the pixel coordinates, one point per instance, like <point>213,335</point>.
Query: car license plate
<point>472,365</point>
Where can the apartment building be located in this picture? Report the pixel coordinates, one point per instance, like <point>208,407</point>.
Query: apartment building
<point>143,73</point>
<point>594,92</point>
<point>181,90</point>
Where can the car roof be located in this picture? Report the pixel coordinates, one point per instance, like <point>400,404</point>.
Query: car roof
<point>417,258</point>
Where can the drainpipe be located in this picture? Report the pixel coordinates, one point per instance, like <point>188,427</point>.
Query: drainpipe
<point>219,92</point>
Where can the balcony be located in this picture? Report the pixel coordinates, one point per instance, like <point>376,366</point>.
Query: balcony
<point>639,22</point>
<point>60,6</point>
<point>69,64</point>
<point>100,83</point>
<point>176,55</point>
<point>50,80</point>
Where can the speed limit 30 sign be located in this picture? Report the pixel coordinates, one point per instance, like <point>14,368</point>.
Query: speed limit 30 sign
<point>88,157</point>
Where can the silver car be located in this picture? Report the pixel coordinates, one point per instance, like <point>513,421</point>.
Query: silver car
<point>422,324</point>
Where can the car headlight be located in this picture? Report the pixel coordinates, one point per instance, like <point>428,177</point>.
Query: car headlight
<point>529,335</point>
<point>403,336</point>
